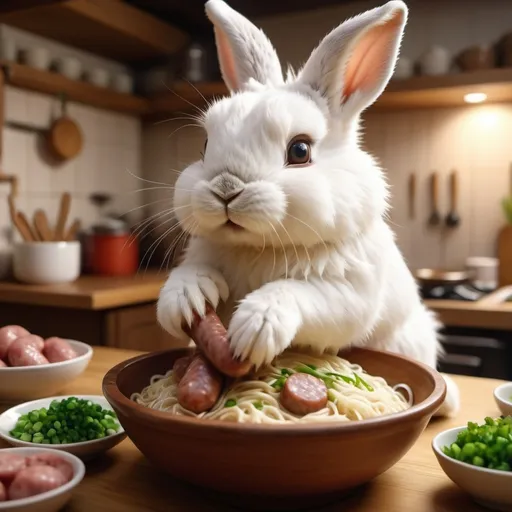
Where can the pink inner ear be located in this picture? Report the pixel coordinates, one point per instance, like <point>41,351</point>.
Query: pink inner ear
<point>226,59</point>
<point>370,57</point>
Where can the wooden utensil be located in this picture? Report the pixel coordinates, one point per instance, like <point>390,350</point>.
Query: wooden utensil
<point>505,256</point>
<point>412,195</point>
<point>453,218</point>
<point>24,227</point>
<point>65,137</point>
<point>62,218</point>
<point>435,217</point>
<point>42,226</point>
<point>73,231</point>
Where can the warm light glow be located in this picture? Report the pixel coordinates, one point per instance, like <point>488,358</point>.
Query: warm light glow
<point>475,97</point>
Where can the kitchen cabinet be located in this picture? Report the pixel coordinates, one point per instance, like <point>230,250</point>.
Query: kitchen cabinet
<point>136,328</point>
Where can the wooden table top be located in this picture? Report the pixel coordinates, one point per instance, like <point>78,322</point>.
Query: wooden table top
<point>123,480</point>
<point>88,292</point>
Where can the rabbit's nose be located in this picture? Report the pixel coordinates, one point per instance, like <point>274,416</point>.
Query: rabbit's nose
<point>227,198</point>
<point>226,187</point>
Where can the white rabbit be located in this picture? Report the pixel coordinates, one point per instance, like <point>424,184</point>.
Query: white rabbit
<point>287,214</point>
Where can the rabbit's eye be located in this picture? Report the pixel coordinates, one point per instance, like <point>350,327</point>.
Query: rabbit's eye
<point>299,152</point>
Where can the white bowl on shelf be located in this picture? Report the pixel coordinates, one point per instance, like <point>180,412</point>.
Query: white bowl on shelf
<point>70,67</point>
<point>98,77</point>
<point>46,262</point>
<point>490,488</point>
<point>503,397</point>
<point>30,382</point>
<point>123,82</point>
<point>50,501</point>
<point>84,449</point>
<point>38,57</point>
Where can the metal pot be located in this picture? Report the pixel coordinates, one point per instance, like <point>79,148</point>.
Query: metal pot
<point>436,277</point>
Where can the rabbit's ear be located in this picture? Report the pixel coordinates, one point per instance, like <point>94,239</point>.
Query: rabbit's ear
<point>353,64</point>
<point>244,51</point>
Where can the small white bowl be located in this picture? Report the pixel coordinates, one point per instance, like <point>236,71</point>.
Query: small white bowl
<point>503,397</point>
<point>84,450</point>
<point>50,501</point>
<point>123,82</point>
<point>46,262</point>
<point>70,67</point>
<point>488,487</point>
<point>38,57</point>
<point>98,77</point>
<point>30,382</point>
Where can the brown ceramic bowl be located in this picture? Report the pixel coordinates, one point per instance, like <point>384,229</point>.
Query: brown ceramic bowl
<point>279,466</point>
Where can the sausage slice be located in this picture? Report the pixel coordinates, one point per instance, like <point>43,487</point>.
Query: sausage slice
<point>201,386</point>
<point>303,394</point>
<point>2,364</point>
<point>212,338</point>
<point>180,367</point>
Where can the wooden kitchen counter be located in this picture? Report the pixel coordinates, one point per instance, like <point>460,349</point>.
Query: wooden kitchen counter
<point>123,479</point>
<point>487,313</point>
<point>88,292</point>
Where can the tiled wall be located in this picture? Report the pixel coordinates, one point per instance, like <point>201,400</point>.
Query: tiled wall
<point>111,150</point>
<point>472,139</point>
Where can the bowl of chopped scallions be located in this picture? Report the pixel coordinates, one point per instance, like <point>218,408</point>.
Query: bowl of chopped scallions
<point>503,398</point>
<point>83,425</point>
<point>478,458</point>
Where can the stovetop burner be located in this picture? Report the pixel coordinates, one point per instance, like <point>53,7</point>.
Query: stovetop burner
<point>466,292</point>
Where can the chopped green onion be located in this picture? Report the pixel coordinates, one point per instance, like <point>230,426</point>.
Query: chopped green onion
<point>69,420</point>
<point>229,403</point>
<point>258,405</point>
<point>488,445</point>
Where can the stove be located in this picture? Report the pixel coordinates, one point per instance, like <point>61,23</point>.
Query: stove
<point>459,291</point>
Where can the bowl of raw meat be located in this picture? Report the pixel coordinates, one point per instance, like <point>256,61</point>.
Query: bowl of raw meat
<point>37,479</point>
<point>31,367</point>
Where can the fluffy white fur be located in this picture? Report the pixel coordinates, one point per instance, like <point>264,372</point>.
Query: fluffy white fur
<point>316,263</point>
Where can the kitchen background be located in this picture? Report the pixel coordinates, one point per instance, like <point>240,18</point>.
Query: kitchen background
<point>422,125</point>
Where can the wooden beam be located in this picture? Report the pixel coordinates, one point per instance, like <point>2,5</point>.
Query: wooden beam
<point>106,27</point>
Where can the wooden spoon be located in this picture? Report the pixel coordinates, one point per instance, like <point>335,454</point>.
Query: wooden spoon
<point>412,195</point>
<point>65,206</point>
<point>73,230</point>
<point>435,217</point>
<point>42,226</point>
<point>24,228</point>
<point>453,218</point>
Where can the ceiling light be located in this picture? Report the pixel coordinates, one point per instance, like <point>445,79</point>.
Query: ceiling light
<point>475,97</point>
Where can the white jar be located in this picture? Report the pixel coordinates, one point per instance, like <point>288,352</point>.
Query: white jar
<point>69,67</point>
<point>9,50</point>
<point>98,77</point>
<point>403,69</point>
<point>38,57</point>
<point>435,61</point>
<point>123,82</point>
<point>485,272</point>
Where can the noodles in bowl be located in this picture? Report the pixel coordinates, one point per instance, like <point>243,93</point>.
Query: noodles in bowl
<point>353,394</point>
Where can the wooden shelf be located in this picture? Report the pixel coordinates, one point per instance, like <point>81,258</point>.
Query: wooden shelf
<point>414,93</point>
<point>184,96</point>
<point>109,28</point>
<point>447,90</point>
<point>47,82</point>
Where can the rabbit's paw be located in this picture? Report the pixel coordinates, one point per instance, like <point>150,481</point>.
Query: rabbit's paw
<point>262,327</point>
<point>186,290</point>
